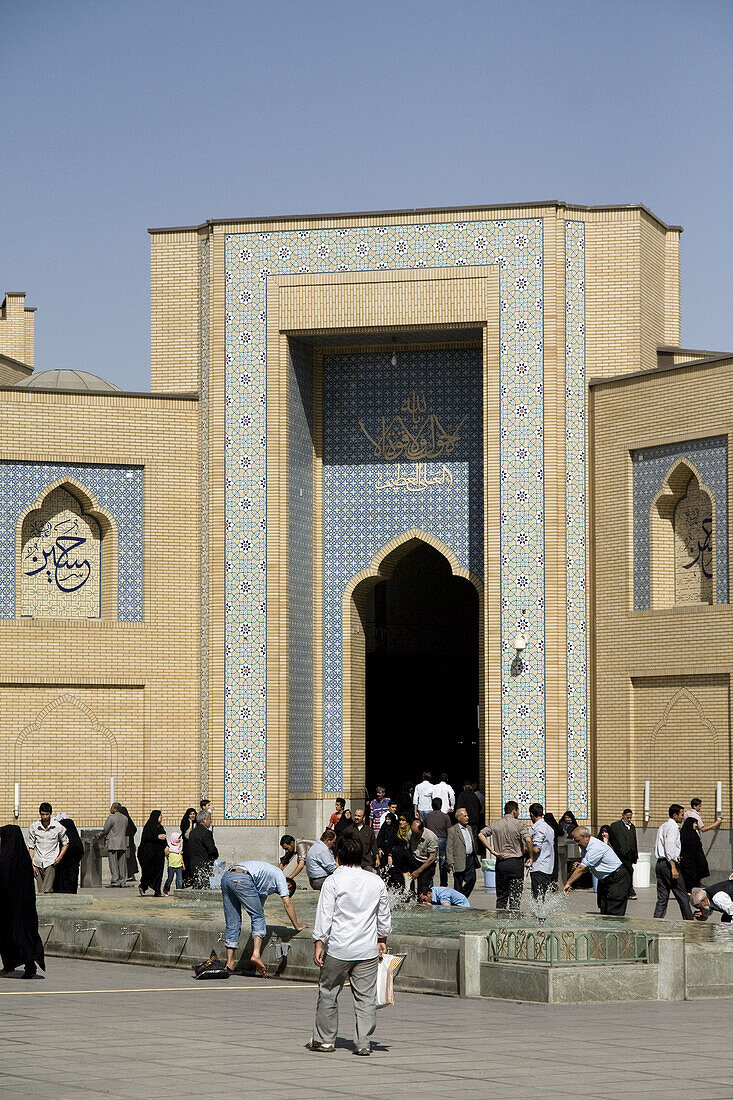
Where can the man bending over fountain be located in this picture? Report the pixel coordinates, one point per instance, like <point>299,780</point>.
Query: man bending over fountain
<point>246,886</point>
<point>603,863</point>
<point>444,895</point>
<point>717,898</point>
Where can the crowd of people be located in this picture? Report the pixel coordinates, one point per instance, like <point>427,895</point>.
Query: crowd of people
<point>187,853</point>
<point>401,843</point>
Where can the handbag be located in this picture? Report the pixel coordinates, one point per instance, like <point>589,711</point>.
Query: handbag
<point>387,970</point>
<point>488,864</point>
<point>212,968</point>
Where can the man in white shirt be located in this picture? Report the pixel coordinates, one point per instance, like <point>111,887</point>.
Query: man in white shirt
<point>543,852</point>
<point>47,844</point>
<point>423,796</point>
<point>445,793</point>
<point>669,876</point>
<point>353,921</point>
<point>460,854</point>
<point>603,863</point>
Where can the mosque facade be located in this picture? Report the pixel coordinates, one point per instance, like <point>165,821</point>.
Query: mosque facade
<point>372,517</point>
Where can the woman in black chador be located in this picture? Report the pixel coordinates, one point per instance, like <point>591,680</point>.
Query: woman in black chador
<point>20,944</point>
<point>692,855</point>
<point>151,854</point>
<point>66,879</point>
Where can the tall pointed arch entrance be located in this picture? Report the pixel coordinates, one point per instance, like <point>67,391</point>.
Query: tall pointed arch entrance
<point>412,668</point>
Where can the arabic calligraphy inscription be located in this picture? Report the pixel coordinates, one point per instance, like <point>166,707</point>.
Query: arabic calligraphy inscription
<point>60,564</point>
<point>416,436</point>
<point>693,534</point>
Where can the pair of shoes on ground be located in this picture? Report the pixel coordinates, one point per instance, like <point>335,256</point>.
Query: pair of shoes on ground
<point>328,1048</point>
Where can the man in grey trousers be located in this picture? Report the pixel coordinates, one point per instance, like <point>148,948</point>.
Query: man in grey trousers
<point>114,831</point>
<point>352,923</point>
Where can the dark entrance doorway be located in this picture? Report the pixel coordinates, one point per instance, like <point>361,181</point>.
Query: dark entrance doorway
<point>422,674</point>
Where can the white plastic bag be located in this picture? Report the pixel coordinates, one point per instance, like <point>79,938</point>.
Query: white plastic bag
<point>387,970</point>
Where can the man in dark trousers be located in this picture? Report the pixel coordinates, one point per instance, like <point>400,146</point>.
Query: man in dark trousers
<point>623,842</point>
<point>461,854</point>
<point>510,840</point>
<point>670,879</point>
<point>201,850</point>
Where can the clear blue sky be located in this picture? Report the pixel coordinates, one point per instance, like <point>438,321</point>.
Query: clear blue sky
<point>116,117</point>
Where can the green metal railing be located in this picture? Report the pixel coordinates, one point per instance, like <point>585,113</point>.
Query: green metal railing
<point>561,948</point>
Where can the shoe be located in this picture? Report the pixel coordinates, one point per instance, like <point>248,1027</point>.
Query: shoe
<point>633,896</point>
<point>363,1052</point>
<point>320,1048</point>
<point>165,893</point>
<point>30,970</point>
<point>141,892</point>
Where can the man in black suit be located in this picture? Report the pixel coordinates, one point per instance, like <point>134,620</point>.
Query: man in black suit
<point>623,842</point>
<point>201,850</point>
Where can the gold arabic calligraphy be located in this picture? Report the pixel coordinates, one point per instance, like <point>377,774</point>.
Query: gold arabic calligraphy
<point>424,439</point>
<point>417,478</point>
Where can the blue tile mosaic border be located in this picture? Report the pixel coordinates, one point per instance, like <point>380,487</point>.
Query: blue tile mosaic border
<point>516,246</point>
<point>575,519</point>
<point>651,466</point>
<point>118,490</point>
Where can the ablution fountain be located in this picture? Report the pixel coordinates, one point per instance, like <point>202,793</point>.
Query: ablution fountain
<point>541,954</point>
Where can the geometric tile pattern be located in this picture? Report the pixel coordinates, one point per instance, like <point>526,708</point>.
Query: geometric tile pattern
<point>575,519</point>
<point>204,280</point>
<point>368,501</point>
<point>515,246</point>
<point>118,491</point>
<point>651,466</point>
<point>300,569</point>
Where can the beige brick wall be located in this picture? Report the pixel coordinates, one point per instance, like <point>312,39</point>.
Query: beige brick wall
<point>175,315</point>
<point>661,677</point>
<point>17,328</point>
<point>136,684</point>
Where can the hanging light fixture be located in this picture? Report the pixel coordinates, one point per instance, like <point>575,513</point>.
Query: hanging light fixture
<point>393,360</point>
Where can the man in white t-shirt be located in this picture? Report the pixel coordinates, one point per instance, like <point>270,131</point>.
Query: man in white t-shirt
<point>445,793</point>
<point>353,921</point>
<point>423,796</point>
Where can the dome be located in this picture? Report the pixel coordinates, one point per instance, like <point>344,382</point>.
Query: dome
<point>67,380</point>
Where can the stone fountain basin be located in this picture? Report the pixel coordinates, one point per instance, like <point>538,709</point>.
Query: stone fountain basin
<point>449,951</point>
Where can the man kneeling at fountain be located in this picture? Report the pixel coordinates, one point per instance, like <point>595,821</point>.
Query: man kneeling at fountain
<point>614,881</point>
<point>444,895</point>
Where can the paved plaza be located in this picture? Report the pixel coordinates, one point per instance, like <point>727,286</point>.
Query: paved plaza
<point>94,1029</point>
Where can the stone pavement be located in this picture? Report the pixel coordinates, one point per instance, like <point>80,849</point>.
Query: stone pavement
<point>95,1029</point>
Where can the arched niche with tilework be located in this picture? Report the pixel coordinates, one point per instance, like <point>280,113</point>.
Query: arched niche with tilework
<point>682,540</point>
<point>66,557</point>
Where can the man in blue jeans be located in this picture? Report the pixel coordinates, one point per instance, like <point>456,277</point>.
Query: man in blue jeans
<point>246,886</point>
